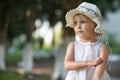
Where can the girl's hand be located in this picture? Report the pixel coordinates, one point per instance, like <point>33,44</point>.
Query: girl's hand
<point>96,61</point>
<point>96,78</point>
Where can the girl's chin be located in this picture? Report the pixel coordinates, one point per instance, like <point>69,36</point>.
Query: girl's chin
<point>81,36</point>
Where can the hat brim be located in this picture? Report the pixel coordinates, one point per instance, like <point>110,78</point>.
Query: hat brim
<point>69,17</point>
<point>89,10</point>
<point>70,23</point>
<point>70,14</point>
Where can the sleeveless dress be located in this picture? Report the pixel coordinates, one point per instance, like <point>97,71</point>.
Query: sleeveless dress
<point>83,52</point>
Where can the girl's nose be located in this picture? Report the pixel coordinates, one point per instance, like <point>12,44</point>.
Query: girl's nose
<point>78,26</point>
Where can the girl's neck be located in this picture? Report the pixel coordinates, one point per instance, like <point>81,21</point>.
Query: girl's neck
<point>88,40</point>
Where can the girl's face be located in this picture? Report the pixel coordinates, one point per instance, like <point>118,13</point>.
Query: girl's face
<point>84,27</point>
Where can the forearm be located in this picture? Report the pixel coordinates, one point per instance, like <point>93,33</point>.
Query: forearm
<point>75,65</point>
<point>99,70</point>
<point>104,51</point>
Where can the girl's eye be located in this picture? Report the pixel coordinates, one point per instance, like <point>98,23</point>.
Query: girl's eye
<point>75,22</point>
<point>83,21</point>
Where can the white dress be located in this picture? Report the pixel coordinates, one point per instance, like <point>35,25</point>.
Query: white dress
<point>83,52</point>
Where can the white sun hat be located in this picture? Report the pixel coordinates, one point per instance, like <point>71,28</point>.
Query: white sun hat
<point>88,9</point>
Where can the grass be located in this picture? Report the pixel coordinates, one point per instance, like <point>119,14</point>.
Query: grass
<point>14,57</point>
<point>36,77</point>
<point>9,75</point>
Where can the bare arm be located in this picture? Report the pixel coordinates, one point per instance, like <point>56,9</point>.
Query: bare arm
<point>70,64</point>
<point>101,67</point>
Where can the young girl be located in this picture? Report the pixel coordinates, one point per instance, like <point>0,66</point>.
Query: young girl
<point>86,57</point>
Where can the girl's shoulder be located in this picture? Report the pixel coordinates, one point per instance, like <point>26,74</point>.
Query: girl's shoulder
<point>103,46</point>
<point>71,43</point>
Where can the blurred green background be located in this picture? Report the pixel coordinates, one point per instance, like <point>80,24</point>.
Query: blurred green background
<point>33,37</point>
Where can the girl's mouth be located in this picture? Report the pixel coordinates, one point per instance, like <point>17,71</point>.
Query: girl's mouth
<point>81,31</point>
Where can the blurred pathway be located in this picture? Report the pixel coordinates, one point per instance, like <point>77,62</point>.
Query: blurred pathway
<point>115,67</point>
<point>115,78</point>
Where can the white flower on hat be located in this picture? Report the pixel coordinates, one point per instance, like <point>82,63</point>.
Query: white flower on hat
<point>89,10</point>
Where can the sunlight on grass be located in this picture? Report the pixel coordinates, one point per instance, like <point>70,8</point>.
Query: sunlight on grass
<point>8,75</point>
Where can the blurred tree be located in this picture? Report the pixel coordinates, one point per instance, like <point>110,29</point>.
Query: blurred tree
<point>21,21</point>
<point>17,17</point>
<point>4,6</point>
<point>28,55</point>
